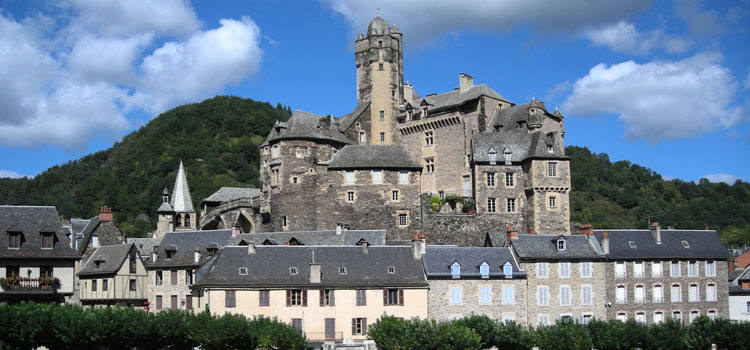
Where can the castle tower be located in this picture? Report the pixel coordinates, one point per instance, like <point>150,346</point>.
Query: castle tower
<point>184,213</point>
<point>380,77</point>
<point>165,213</point>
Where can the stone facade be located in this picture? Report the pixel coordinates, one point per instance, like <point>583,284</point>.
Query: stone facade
<point>548,196</point>
<point>442,308</point>
<point>164,294</point>
<point>496,185</point>
<point>100,231</point>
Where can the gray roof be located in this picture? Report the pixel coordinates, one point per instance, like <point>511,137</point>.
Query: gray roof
<point>544,247</point>
<point>186,242</point>
<point>85,237</point>
<point>145,246</point>
<point>373,157</point>
<point>438,260</point>
<point>323,237</point>
<point>109,259</point>
<point>165,208</point>
<point>31,221</point>
<point>306,126</point>
<point>378,26</point>
<point>346,121</point>
<point>455,97</point>
<point>735,284</point>
<point>521,144</point>
<point>181,201</point>
<point>701,244</point>
<point>269,267</point>
<point>228,194</point>
<point>508,117</point>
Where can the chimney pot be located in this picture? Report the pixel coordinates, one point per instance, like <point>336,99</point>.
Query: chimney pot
<point>105,214</point>
<point>465,82</point>
<point>251,247</point>
<point>605,243</point>
<point>339,229</point>
<point>418,247</point>
<point>656,232</point>
<point>197,256</point>
<point>365,247</point>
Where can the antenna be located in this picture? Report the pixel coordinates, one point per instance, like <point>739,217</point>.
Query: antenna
<point>649,216</point>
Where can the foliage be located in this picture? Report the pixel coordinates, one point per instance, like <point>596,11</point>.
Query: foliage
<point>217,139</point>
<point>72,327</point>
<point>467,204</point>
<point>563,335</point>
<point>391,333</point>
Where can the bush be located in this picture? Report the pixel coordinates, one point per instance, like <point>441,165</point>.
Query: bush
<point>565,334</point>
<point>391,333</point>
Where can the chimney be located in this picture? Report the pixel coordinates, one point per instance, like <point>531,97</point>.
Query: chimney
<point>251,247</point>
<point>510,234</point>
<point>671,228</point>
<point>235,230</point>
<point>65,222</point>
<point>197,255</point>
<point>605,243</point>
<point>105,214</point>
<point>465,82</point>
<point>153,254</point>
<point>408,92</point>
<point>731,265</point>
<point>315,273</point>
<point>656,231</point>
<point>418,245</point>
<point>339,229</point>
<point>365,247</point>
<point>324,125</point>
<point>586,229</point>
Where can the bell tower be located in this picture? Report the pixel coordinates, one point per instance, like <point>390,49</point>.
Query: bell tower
<point>380,77</point>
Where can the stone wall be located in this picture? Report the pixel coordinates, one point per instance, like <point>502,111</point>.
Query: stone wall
<point>440,308</point>
<point>501,193</point>
<point>540,186</point>
<point>166,289</point>
<point>107,233</point>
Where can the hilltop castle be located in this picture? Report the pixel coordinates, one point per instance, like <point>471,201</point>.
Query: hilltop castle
<point>377,167</point>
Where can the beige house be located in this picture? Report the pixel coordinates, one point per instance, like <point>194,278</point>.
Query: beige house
<point>114,275</point>
<point>330,292</point>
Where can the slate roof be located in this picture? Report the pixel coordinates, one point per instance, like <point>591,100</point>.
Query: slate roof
<point>165,208</point>
<point>455,98</point>
<point>31,221</point>
<point>185,243</point>
<point>346,121</point>
<point>228,194</point>
<point>438,260</point>
<point>145,246</point>
<point>82,243</point>
<point>544,247</point>
<point>323,237</point>
<point>522,145</point>
<point>305,125</point>
<point>181,201</point>
<point>373,157</point>
<point>735,286</point>
<point>269,267</point>
<point>702,244</point>
<point>508,117</point>
<point>110,259</point>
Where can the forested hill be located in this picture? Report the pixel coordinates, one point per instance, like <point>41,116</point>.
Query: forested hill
<point>217,140</point>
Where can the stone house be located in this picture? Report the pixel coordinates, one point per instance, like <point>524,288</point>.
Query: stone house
<point>114,275</point>
<point>474,280</point>
<point>173,263</point>
<point>36,260</point>
<point>332,293</point>
<point>565,276</point>
<point>654,274</point>
<point>739,296</point>
<point>340,236</point>
<point>99,231</point>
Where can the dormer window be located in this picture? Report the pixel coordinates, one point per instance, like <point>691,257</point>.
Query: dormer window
<point>391,270</point>
<point>211,251</point>
<point>48,239</point>
<point>98,263</point>
<point>484,269</point>
<point>508,269</point>
<point>550,149</point>
<point>342,270</point>
<point>561,244</point>
<point>14,240</point>
<point>493,157</point>
<point>170,254</point>
<point>685,244</point>
<point>275,151</point>
<point>292,270</point>
<point>456,270</point>
<point>95,241</point>
<point>424,111</point>
<point>632,244</point>
<point>243,271</point>
<point>507,155</point>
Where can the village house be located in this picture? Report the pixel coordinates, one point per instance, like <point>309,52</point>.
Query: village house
<point>114,275</point>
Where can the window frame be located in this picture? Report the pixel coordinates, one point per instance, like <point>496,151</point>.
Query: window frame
<point>552,169</point>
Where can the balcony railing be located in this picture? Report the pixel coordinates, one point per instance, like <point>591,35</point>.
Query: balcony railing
<point>325,336</point>
<point>22,284</point>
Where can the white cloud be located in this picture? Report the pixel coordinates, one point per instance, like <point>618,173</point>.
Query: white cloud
<point>699,22</point>
<point>721,177</point>
<point>10,174</point>
<point>70,78</point>
<point>660,99</point>
<point>427,20</point>
<point>623,37</point>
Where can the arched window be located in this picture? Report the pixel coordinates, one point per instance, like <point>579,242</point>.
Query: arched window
<point>187,220</point>
<point>456,270</point>
<point>484,269</point>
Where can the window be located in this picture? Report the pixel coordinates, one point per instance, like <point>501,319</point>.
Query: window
<point>711,292</point>
<point>296,297</point>
<point>133,285</point>
<point>188,302</point>
<point>552,169</point>
<point>14,240</point>
<point>586,269</point>
<point>403,177</point>
<point>429,138</point>
<point>159,279</point>
<point>403,220</point>
<point>508,270</point>
<point>693,315</point>
<point>93,285</point>
<point>274,179</point>
<point>640,294</point>
<point>391,270</point>
<point>710,268</point>
<point>361,137</point>
<point>455,295</point>
<point>394,296</point>
<point>622,317</point>
<point>297,323</point>
<point>394,195</point>
<point>631,244</point>
<point>424,111</point>
<point>327,297</point>
<point>511,205</point>
<point>621,295</point>
<point>491,205</point>
<point>565,295</point>
<point>640,317</point>
<point>361,297</point>
<point>509,318</point>
<point>350,196</point>
<point>564,267</point>
<point>455,270</point>
<point>382,113</point>
<point>693,269</point>
<point>693,293</point>
<point>658,294</point>
<point>382,137</point>
<point>359,326</point>
<point>229,298</point>
<point>542,296</point>
<point>295,180</point>
<point>243,271</point>
<point>105,285</point>
<point>170,254</point>
<point>541,270</point>
<point>560,244</point>
<point>674,270</point>
<point>485,295</point>
<point>619,269</point>
<point>284,221</point>
<point>638,269</point>
<point>380,66</point>
<point>550,149</point>
<point>542,319</point>
<point>173,277</point>
<point>509,180</point>
<point>586,318</point>
<point>685,244</point>
<point>493,157</point>
<point>132,265</point>
<point>342,270</point>
<point>377,177</point>
<point>508,295</point>
<point>658,317</point>
<point>656,269</point>
<point>587,295</point>
<point>47,240</point>
<point>95,241</point>
<point>490,179</point>
<point>429,165</point>
<point>553,202</point>
<point>711,314</point>
<point>275,151</point>
<point>292,270</point>
<point>349,177</point>
<point>45,271</point>
<point>484,270</point>
<point>677,316</point>
<point>189,276</point>
<point>158,302</point>
<point>676,293</point>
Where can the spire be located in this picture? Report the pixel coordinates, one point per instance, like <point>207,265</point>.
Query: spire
<point>181,201</point>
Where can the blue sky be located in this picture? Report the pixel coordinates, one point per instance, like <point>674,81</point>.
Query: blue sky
<point>662,84</point>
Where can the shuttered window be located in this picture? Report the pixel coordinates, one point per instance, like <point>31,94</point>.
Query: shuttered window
<point>542,296</point>
<point>359,326</point>
<point>174,277</point>
<point>586,295</point>
<point>377,177</point>
<point>361,297</point>
<point>230,299</point>
<point>264,298</point>
<point>350,177</point>
<point>403,177</point>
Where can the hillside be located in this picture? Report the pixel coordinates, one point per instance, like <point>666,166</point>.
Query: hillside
<point>217,139</point>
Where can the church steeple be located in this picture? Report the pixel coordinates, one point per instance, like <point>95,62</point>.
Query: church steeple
<point>181,201</point>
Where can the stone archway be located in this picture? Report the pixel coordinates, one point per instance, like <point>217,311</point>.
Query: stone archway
<point>245,225</point>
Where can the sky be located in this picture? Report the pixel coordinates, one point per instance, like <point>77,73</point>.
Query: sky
<point>663,84</point>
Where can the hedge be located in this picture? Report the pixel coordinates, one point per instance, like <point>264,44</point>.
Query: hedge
<point>29,325</point>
